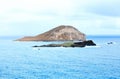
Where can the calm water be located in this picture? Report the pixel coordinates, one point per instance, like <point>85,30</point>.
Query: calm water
<point>18,60</point>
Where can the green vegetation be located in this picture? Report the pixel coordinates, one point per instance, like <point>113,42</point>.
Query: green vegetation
<point>67,44</point>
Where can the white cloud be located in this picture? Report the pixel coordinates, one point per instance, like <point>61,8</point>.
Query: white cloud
<point>26,10</point>
<point>36,5</point>
<point>97,15</point>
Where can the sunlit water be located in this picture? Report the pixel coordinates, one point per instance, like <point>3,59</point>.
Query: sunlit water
<point>18,60</point>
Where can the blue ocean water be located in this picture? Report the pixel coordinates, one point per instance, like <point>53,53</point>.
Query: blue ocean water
<point>18,60</point>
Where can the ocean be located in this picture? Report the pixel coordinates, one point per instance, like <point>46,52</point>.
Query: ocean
<point>19,60</point>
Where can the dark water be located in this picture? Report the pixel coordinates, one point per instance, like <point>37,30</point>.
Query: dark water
<point>18,60</point>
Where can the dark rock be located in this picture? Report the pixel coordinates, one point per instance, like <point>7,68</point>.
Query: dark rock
<point>110,43</point>
<point>84,43</point>
<point>78,44</point>
<point>89,43</point>
<point>35,46</point>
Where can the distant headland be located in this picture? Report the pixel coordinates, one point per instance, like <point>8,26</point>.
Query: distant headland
<point>60,33</point>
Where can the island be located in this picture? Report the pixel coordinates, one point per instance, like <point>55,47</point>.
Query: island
<point>60,33</point>
<point>70,44</point>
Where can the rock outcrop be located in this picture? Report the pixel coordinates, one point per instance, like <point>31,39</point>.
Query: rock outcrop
<point>60,33</point>
<point>84,43</point>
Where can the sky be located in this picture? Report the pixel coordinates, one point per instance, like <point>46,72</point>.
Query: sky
<point>32,17</point>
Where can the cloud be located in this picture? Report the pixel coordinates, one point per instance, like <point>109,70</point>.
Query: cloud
<point>101,7</point>
<point>89,16</point>
<point>31,10</point>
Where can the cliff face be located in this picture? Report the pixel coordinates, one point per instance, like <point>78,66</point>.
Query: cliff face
<point>60,33</point>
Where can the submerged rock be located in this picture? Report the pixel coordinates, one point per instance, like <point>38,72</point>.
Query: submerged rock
<point>110,43</point>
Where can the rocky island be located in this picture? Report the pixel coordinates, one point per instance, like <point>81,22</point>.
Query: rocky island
<point>60,33</point>
<point>70,44</point>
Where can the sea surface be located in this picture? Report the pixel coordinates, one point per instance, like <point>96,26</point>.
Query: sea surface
<point>19,60</point>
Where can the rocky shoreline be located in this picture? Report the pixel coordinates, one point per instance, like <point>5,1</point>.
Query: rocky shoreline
<point>70,44</point>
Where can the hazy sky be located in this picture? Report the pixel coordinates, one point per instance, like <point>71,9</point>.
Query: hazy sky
<point>32,17</point>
